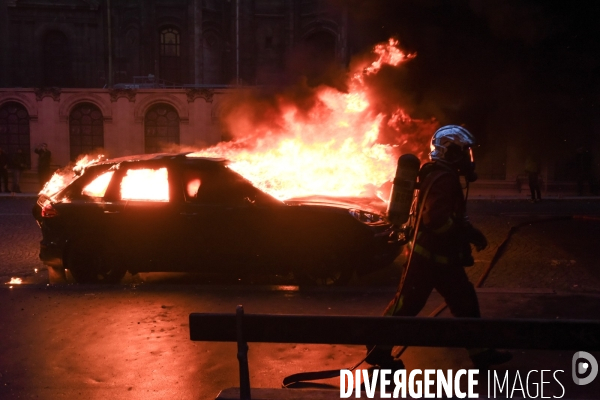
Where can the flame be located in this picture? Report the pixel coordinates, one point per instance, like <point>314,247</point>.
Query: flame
<point>388,53</point>
<point>330,150</point>
<point>15,281</point>
<point>145,184</point>
<point>63,177</point>
<point>97,188</point>
<point>344,144</point>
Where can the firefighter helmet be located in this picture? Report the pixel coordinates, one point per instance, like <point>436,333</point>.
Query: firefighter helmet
<point>449,142</point>
<point>452,144</point>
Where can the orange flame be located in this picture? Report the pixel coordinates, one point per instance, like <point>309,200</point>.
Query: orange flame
<point>145,184</point>
<point>63,177</point>
<point>334,148</point>
<point>15,281</point>
<point>331,150</point>
<point>389,54</point>
<point>97,187</point>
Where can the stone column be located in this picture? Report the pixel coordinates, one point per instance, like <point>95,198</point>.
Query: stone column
<point>197,43</point>
<point>5,78</point>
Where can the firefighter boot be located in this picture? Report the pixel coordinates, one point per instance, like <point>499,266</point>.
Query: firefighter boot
<point>488,357</point>
<point>381,357</point>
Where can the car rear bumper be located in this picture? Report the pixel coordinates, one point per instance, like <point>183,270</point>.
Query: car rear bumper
<point>51,254</point>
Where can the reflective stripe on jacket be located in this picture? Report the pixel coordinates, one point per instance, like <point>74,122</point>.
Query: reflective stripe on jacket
<point>441,237</point>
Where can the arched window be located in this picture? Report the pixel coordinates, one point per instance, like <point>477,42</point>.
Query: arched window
<point>86,129</point>
<point>170,55</point>
<point>56,60</point>
<point>14,129</point>
<point>161,128</point>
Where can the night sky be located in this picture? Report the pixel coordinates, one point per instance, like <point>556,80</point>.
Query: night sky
<point>517,72</point>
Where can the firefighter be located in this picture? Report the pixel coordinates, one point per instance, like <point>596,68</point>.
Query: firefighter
<point>442,247</point>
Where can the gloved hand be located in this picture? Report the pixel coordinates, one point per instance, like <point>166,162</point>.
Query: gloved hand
<point>477,238</point>
<point>474,235</point>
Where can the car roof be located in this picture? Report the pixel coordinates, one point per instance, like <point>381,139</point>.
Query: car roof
<point>161,156</point>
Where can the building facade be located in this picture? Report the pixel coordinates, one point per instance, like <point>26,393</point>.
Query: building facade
<point>113,122</point>
<point>133,76</point>
<point>100,43</point>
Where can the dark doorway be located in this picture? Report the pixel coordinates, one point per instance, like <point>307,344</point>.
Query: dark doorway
<point>56,63</point>
<point>211,47</point>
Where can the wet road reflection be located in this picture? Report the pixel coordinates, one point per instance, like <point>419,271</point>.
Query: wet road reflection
<point>131,340</point>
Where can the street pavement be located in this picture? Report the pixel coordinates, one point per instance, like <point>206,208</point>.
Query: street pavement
<point>131,341</point>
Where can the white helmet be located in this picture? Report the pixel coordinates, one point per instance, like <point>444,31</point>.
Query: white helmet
<point>443,139</point>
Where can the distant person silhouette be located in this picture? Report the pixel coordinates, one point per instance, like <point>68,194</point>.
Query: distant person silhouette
<point>584,160</point>
<point>44,172</point>
<point>532,169</point>
<point>18,165</point>
<point>4,161</point>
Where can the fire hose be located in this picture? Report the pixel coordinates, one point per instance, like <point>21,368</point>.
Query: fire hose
<point>317,375</point>
<point>290,380</point>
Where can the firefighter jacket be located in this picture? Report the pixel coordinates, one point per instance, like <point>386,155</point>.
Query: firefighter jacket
<point>443,235</point>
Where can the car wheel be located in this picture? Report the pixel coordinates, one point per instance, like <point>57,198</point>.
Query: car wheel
<point>332,278</point>
<point>56,275</point>
<point>327,271</point>
<point>91,265</point>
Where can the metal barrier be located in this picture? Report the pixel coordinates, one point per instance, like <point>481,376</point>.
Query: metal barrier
<point>534,334</point>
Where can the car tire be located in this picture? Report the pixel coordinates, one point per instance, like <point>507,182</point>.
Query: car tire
<point>329,270</point>
<point>332,278</point>
<point>89,264</point>
<point>56,275</point>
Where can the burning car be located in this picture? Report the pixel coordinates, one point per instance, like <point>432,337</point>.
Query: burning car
<point>179,212</point>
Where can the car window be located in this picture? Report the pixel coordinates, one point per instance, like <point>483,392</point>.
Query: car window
<point>222,186</point>
<point>192,180</point>
<point>215,186</point>
<point>97,187</point>
<point>145,184</point>
<point>75,190</point>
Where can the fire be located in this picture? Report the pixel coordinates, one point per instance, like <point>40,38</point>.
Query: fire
<point>388,53</point>
<point>97,188</point>
<point>145,184</point>
<point>330,150</point>
<point>344,144</point>
<point>63,177</point>
<point>15,281</point>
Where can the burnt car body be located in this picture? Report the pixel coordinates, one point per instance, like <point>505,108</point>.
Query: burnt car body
<point>212,220</point>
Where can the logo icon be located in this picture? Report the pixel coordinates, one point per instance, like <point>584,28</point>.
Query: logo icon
<point>588,367</point>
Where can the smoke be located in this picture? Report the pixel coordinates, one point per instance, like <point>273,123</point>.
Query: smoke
<point>342,140</point>
<point>254,113</point>
<point>254,116</point>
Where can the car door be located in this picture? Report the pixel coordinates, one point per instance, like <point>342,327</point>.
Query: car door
<point>217,218</point>
<point>84,208</point>
<point>144,214</point>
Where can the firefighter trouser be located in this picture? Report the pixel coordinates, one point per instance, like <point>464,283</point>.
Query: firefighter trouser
<point>421,278</point>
